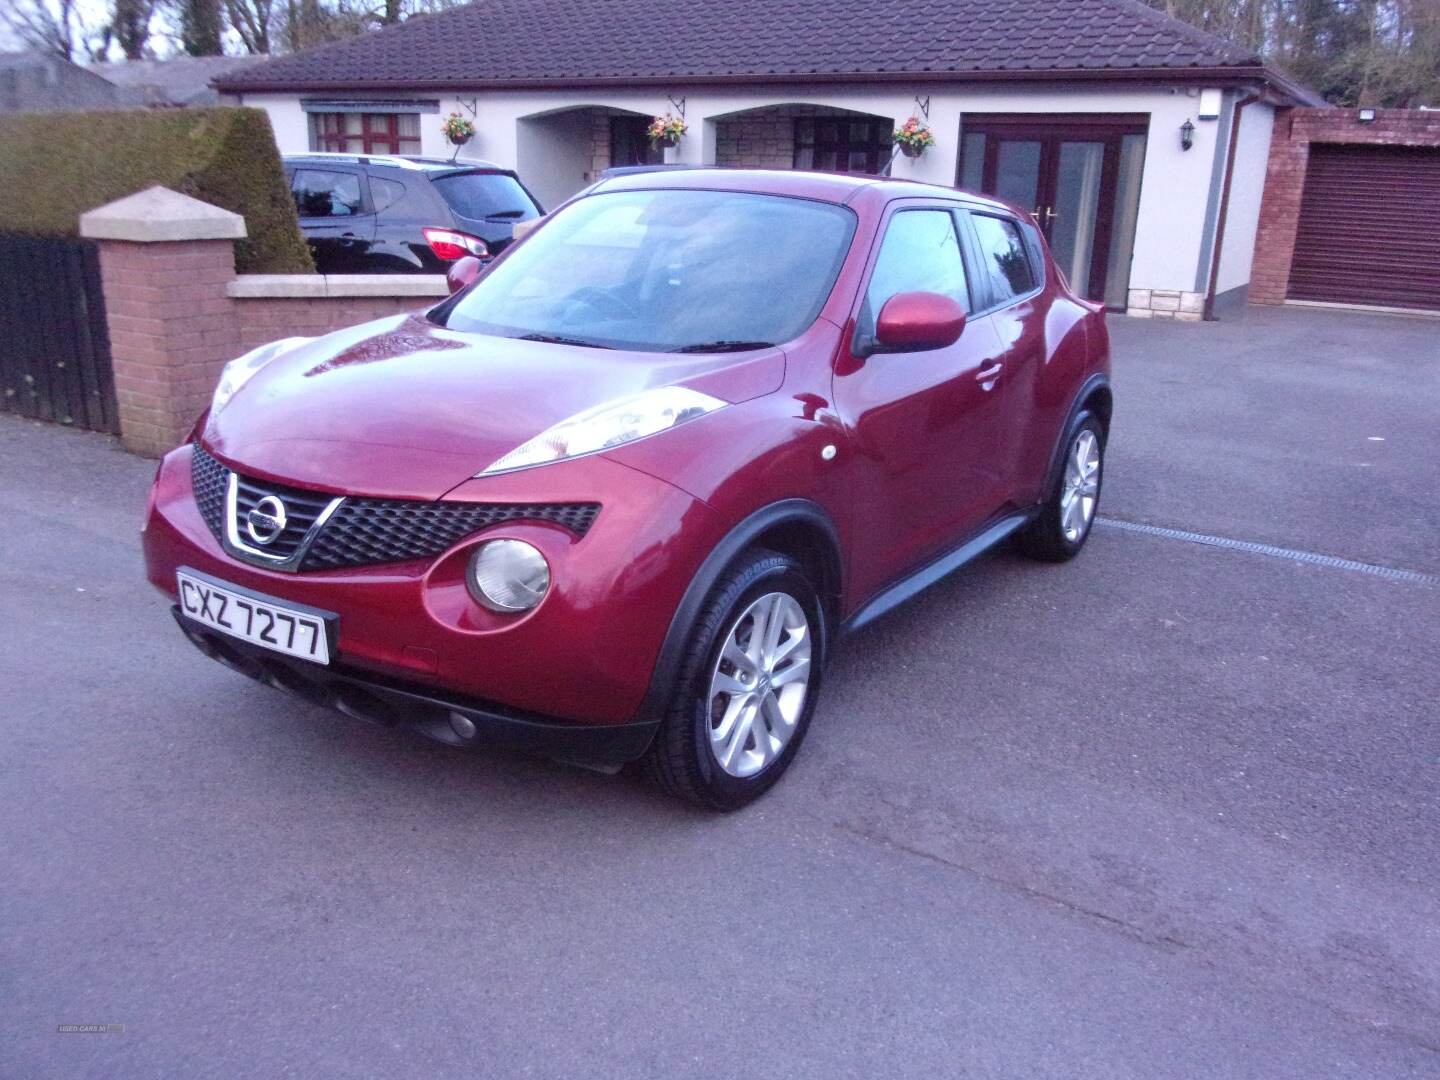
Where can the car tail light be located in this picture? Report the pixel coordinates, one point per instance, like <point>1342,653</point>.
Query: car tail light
<point>450,245</point>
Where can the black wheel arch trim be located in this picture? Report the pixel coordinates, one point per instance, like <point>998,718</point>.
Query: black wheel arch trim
<point>738,539</point>
<point>1097,381</point>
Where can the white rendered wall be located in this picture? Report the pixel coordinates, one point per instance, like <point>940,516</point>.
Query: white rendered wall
<point>554,155</point>
<point>1173,195</point>
<point>1252,156</point>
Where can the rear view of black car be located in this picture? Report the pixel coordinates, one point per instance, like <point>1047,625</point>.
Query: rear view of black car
<point>384,214</point>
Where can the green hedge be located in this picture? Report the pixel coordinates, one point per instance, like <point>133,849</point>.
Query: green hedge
<point>55,166</point>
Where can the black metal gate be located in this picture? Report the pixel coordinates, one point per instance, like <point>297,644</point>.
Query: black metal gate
<point>54,343</point>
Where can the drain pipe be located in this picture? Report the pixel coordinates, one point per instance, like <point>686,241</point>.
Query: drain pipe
<point>1240,106</point>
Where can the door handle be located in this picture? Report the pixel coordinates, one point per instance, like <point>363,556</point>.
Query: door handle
<point>989,374</point>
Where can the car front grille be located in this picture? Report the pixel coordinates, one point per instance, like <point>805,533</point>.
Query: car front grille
<point>302,510</point>
<point>357,531</point>
<point>365,531</point>
<point>209,479</point>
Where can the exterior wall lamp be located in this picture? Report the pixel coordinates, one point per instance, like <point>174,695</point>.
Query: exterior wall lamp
<point>1367,116</point>
<point>1187,135</point>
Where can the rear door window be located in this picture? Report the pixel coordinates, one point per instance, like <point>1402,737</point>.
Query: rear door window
<point>1004,258</point>
<point>483,196</point>
<point>325,193</point>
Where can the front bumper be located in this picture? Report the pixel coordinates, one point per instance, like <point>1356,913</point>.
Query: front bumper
<point>585,656</point>
<point>449,719</point>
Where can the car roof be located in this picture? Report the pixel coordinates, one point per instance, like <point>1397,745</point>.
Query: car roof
<point>396,161</point>
<point>826,187</point>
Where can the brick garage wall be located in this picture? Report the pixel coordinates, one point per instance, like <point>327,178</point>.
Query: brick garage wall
<point>1295,130</point>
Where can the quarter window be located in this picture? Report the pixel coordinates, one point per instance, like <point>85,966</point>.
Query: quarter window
<point>1003,257</point>
<point>322,193</point>
<point>365,133</point>
<point>385,192</point>
<point>920,253</point>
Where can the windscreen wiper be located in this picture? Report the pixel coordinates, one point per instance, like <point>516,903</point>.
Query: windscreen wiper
<point>556,339</point>
<point>725,346</point>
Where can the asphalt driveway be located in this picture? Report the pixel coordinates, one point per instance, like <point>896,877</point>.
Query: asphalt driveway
<point>1168,811</point>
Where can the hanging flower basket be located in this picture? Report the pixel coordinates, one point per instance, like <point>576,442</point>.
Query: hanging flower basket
<point>666,130</point>
<point>458,130</point>
<point>914,137</point>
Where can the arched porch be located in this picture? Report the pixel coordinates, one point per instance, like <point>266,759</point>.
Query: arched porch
<point>560,151</point>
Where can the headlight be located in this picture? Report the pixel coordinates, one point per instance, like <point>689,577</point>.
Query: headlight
<point>238,372</point>
<point>508,576</point>
<point>608,425</point>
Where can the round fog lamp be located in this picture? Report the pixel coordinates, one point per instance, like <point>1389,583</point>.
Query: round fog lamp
<point>508,576</point>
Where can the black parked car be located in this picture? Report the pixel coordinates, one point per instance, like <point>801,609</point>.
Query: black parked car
<point>385,214</point>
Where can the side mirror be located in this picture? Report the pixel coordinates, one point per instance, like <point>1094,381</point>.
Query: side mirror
<point>462,272</point>
<point>917,321</point>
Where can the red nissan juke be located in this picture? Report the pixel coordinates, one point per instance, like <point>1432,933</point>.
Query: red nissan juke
<point>614,500</point>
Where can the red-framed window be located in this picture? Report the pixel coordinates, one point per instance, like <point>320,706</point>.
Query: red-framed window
<point>842,144</point>
<point>365,133</point>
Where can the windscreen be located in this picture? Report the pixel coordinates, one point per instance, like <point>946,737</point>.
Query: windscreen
<point>482,196</point>
<point>665,271</point>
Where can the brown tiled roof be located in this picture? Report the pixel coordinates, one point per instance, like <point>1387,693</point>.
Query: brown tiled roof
<point>587,42</point>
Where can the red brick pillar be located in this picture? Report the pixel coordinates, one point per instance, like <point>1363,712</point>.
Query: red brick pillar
<point>1279,213</point>
<point>165,260</point>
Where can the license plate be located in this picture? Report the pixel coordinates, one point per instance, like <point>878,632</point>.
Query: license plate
<point>261,620</point>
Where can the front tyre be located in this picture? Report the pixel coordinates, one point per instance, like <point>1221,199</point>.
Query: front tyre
<point>747,688</point>
<point>1063,524</point>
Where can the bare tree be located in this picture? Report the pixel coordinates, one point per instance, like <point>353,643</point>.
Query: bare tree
<point>201,27</point>
<point>252,21</point>
<point>266,26</point>
<point>1375,52</point>
<point>130,26</point>
<point>53,26</point>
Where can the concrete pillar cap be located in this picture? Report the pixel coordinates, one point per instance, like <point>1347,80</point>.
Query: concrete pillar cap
<point>159,214</point>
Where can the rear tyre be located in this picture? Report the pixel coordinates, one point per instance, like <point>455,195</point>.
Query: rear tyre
<point>747,687</point>
<point>1065,519</point>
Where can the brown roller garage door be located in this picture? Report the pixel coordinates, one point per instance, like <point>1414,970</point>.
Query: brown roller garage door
<point>1369,227</point>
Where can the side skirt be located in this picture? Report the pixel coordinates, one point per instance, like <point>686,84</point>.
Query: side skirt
<point>933,571</point>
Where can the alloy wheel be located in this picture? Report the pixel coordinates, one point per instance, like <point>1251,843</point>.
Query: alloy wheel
<point>1082,486</point>
<point>757,691</point>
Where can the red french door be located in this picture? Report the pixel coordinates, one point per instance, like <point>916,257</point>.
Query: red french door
<point>1080,177</point>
